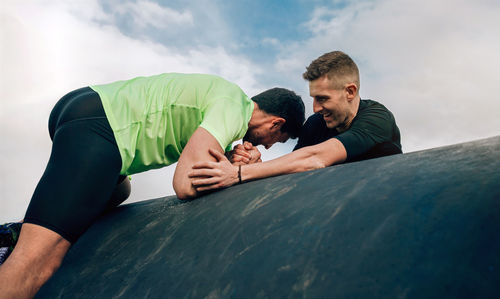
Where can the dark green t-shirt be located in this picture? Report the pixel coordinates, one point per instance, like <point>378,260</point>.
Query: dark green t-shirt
<point>373,133</point>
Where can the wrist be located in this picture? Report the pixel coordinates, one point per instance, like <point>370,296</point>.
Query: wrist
<point>239,174</point>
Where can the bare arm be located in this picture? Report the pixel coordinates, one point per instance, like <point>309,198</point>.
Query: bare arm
<point>196,150</point>
<point>213,175</point>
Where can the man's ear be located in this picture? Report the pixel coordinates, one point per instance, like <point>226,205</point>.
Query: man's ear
<point>277,123</point>
<point>351,90</point>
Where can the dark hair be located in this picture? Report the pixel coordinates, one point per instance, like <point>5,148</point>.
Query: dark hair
<point>283,103</point>
<point>337,65</point>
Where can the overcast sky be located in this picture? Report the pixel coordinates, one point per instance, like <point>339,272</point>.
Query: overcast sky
<point>434,64</point>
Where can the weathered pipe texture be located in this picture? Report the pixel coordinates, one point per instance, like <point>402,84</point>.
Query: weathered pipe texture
<point>418,225</point>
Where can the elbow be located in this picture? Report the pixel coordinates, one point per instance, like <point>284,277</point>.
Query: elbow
<point>320,164</point>
<point>185,197</point>
<point>311,160</point>
<point>182,195</point>
<point>308,164</point>
<point>324,154</point>
<point>185,192</point>
<point>315,163</point>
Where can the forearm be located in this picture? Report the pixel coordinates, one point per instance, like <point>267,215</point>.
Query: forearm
<point>307,158</point>
<point>196,150</point>
<point>221,174</point>
<point>298,161</point>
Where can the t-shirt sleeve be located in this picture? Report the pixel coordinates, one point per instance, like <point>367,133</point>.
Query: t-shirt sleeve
<point>371,127</point>
<point>225,120</point>
<point>311,133</point>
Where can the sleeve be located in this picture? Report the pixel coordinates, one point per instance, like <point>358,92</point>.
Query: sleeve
<point>370,127</point>
<point>225,120</point>
<point>311,132</point>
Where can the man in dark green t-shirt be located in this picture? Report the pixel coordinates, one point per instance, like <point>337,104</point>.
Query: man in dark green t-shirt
<point>373,133</point>
<point>343,129</point>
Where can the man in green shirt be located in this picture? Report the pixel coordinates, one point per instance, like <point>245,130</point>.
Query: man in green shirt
<point>103,133</point>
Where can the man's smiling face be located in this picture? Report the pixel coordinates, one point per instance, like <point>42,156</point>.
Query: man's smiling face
<point>330,102</point>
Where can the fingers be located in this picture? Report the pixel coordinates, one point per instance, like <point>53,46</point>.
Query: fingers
<point>246,153</point>
<point>206,188</point>
<point>239,159</point>
<point>247,145</point>
<point>255,155</point>
<point>205,164</point>
<point>217,155</point>
<point>241,150</point>
<point>239,147</point>
<point>246,157</point>
<point>204,182</point>
<point>239,155</point>
<point>196,173</point>
<point>242,153</point>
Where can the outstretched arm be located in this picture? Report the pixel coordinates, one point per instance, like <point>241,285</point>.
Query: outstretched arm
<point>196,150</point>
<point>214,175</point>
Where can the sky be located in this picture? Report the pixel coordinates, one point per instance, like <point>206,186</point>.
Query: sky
<point>434,64</point>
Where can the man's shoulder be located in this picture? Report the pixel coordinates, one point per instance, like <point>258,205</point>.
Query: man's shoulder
<point>315,118</point>
<point>369,107</point>
<point>371,104</point>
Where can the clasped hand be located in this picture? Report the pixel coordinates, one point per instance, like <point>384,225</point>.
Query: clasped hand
<point>209,175</point>
<point>244,153</point>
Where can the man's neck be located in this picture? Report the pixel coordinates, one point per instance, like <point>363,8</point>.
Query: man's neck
<point>257,117</point>
<point>345,125</point>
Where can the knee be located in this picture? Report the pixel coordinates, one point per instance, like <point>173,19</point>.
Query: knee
<point>125,188</point>
<point>121,193</point>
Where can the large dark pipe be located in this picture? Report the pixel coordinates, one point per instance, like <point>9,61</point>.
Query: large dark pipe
<point>418,225</point>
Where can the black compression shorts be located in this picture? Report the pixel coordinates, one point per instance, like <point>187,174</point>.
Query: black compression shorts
<point>83,169</point>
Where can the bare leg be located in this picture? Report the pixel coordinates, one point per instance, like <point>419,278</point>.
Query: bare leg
<point>37,255</point>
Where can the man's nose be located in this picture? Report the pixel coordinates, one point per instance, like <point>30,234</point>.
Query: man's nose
<point>316,107</point>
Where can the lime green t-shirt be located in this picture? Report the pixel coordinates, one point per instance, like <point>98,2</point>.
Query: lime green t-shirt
<point>153,118</point>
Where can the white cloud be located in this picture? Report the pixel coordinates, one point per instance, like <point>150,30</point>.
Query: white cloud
<point>147,13</point>
<point>434,64</point>
<point>273,42</point>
